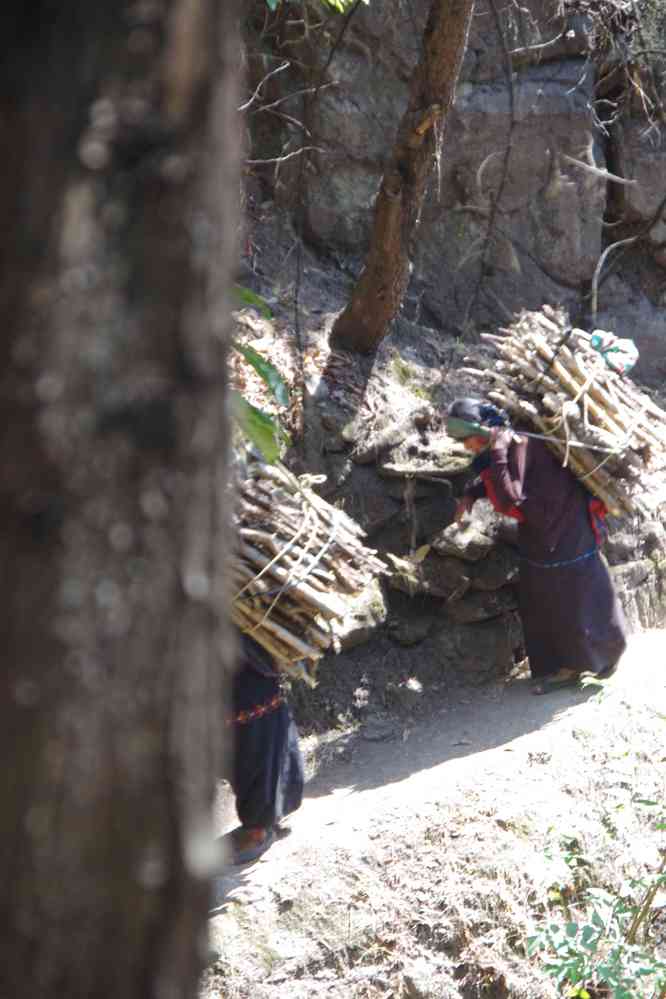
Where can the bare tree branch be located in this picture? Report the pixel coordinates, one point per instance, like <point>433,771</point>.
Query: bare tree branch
<point>255,95</point>
<point>597,270</point>
<point>295,93</point>
<point>597,171</point>
<point>287,156</point>
<point>537,48</point>
<point>624,243</point>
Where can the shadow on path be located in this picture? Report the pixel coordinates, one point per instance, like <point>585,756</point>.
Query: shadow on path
<point>470,724</point>
<point>494,735</point>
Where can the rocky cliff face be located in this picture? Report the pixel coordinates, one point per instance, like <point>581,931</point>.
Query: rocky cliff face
<point>504,158</point>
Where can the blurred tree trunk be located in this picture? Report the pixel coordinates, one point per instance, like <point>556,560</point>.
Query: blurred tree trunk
<point>118,204</point>
<point>381,287</point>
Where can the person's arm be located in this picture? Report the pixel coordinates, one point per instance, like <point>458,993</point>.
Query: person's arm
<point>507,467</point>
<point>474,491</point>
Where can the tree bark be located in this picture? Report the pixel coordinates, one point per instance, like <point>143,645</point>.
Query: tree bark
<point>380,289</point>
<point>118,205</point>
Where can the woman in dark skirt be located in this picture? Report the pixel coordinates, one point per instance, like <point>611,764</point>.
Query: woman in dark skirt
<point>267,771</point>
<point>572,621</point>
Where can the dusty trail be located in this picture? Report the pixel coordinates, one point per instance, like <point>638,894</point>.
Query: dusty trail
<point>499,750</point>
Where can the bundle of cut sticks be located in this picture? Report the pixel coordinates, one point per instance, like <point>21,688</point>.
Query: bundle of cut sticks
<point>298,560</point>
<point>610,434</point>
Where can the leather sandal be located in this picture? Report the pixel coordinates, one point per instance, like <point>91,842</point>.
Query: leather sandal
<point>247,845</point>
<point>563,679</point>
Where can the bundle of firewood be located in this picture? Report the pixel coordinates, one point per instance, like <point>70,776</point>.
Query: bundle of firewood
<point>552,381</point>
<point>297,562</point>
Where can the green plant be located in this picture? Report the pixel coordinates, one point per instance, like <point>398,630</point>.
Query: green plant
<point>264,431</point>
<point>602,946</point>
<point>248,297</point>
<point>403,371</point>
<point>599,950</point>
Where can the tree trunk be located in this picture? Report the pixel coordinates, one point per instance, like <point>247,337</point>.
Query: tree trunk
<point>117,203</point>
<point>381,287</point>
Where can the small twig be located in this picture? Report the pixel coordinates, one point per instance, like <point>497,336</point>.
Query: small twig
<point>287,156</point>
<point>645,231</point>
<point>292,121</point>
<point>597,171</point>
<point>539,47</point>
<point>255,95</point>
<point>597,271</point>
<point>295,93</point>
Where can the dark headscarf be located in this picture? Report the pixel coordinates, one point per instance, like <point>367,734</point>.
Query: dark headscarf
<point>473,418</point>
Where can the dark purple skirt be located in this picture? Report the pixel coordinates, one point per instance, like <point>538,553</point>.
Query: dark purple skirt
<point>571,617</point>
<point>267,771</point>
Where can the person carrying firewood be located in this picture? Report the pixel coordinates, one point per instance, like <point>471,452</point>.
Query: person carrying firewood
<point>572,620</point>
<point>266,771</point>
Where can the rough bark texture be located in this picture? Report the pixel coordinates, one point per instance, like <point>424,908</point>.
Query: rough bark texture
<point>117,240</point>
<point>382,285</point>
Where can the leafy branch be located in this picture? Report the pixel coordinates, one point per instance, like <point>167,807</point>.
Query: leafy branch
<point>261,429</point>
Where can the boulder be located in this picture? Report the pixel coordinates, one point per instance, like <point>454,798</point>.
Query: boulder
<point>481,651</point>
<point>434,576</point>
<point>437,456</point>
<point>500,567</point>
<point>365,613</point>
<point>481,605</point>
<point>474,538</point>
<point>465,541</point>
<point>640,588</point>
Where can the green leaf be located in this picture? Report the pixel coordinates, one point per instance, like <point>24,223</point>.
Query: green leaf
<point>244,294</point>
<point>588,937</point>
<point>571,929</point>
<point>259,428</point>
<point>646,801</point>
<point>534,944</point>
<point>267,371</point>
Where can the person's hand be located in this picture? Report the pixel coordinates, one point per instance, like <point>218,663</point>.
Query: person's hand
<point>463,508</point>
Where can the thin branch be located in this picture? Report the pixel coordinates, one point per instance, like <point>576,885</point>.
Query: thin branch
<point>292,121</point>
<point>296,93</point>
<point>539,47</point>
<point>625,243</point>
<point>597,270</point>
<point>255,95</point>
<point>656,89</point>
<point>597,171</point>
<point>287,156</point>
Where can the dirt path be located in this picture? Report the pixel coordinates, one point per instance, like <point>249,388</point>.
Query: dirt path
<point>499,752</point>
